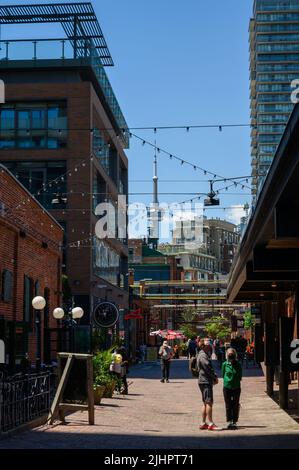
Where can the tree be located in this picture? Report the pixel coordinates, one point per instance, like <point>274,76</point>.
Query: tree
<point>215,327</point>
<point>188,326</point>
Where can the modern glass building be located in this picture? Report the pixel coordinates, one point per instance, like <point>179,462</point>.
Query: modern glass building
<point>274,64</point>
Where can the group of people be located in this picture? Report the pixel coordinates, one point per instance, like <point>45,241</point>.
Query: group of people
<point>232,375</point>
<point>200,351</point>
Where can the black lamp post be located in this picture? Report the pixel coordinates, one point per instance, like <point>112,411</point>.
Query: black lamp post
<point>69,319</point>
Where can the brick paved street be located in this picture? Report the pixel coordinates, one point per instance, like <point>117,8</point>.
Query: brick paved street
<point>157,415</point>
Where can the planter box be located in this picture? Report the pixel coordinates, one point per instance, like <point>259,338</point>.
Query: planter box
<point>98,394</point>
<point>109,389</point>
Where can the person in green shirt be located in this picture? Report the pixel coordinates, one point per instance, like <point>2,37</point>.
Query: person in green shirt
<point>232,376</point>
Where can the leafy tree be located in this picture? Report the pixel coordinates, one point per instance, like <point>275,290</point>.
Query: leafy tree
<point>248,320</point>
<point>188,326</point>
<point>216,328</point>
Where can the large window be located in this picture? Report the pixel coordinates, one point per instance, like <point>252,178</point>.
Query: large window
<point>27,300</point>
<point>106,154</point>
<point>33,125</point>
<point>45,180</point>
<point>107,262</point>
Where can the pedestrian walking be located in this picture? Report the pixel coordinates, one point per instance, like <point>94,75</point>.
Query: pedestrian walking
<point>232,376</point>
<point>207,378</point>
<point>165,354</point>
<point>124,368</point>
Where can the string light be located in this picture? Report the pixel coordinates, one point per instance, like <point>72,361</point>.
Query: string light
<point>171,156</point>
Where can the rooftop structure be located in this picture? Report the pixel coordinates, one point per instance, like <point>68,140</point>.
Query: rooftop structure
<point>84,45</point>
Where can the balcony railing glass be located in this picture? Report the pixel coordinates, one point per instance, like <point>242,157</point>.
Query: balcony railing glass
<point>64,49</point>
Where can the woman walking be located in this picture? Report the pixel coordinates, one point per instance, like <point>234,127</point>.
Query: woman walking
<point>232,376</point>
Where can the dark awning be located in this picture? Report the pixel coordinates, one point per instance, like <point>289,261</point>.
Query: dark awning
<point>267,263</point>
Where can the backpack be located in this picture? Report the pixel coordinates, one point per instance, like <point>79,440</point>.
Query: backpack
<point>193,366</point>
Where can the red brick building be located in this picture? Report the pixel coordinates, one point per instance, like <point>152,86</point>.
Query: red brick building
<point>30,265</point>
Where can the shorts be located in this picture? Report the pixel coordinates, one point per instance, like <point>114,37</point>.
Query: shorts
<point>207,393</point>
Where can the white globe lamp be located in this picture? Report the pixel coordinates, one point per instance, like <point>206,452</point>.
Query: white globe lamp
<point>58,313</point>
<point>38,303</point>
<point>77,313</point>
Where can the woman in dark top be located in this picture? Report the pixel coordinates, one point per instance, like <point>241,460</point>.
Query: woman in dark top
<point>232,376</point>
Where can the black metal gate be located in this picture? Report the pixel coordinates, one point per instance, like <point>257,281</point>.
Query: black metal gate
<point>23,398</point>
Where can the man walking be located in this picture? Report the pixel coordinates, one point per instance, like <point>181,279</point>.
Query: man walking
<point>165,353</point>
<point>207,378</point>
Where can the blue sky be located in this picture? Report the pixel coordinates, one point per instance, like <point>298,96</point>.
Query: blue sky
<point>179,63</point>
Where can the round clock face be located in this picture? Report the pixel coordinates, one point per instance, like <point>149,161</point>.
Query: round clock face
<point>105,315</point>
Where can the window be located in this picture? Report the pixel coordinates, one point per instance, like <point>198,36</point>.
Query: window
<point>7,286</point>
<point>28,295</point>
<point>37,175</point>
<point>33,125</point>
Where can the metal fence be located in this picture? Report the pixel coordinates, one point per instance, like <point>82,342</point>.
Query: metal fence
<point>24,398</point>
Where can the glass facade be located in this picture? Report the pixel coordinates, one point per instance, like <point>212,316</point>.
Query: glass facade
<point>274,64</point>
<point>45,180</point>
<point>107,263</point>
<point>33,125</point>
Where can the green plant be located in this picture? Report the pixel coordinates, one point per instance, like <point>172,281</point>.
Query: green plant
<point>248,320</point>
<point>215,327</point>
<point>101,370</point>
<point>188,323</point>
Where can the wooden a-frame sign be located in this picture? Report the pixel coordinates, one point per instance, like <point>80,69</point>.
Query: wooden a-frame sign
<point>69,380</point>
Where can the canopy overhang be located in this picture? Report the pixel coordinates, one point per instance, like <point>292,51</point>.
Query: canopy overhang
<point>267,264</point>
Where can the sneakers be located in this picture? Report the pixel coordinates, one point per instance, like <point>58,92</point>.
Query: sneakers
<point>231,426</point>
<point>167,381</point>
<point>213,427</point>
<point>162,380</point>
<point>203,426</point>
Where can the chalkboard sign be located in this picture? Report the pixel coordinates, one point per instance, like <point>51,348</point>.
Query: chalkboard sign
<point>75,389</point>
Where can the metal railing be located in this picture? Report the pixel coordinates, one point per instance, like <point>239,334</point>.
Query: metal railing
<point>24,398</point>
<point>65,49</point>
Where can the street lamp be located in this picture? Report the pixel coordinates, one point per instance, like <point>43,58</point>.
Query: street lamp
<point>69,317</point>
<point>38,303</point>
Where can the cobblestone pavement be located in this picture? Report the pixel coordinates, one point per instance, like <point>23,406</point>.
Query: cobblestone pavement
<point>166,416</point>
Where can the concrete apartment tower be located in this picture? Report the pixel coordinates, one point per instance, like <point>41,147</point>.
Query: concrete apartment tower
<point>274,64</point>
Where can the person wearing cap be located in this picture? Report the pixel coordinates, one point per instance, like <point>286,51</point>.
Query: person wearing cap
<point>165,354</point>
<point>207,378</point>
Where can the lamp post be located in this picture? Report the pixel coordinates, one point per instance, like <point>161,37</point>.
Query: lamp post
<point>69,318</point>
<point>38,303</point>
<point>70,321</point>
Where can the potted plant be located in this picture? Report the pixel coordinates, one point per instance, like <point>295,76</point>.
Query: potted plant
<point>104,381</point>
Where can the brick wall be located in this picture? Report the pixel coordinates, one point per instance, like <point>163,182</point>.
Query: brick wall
<point>29,246</point>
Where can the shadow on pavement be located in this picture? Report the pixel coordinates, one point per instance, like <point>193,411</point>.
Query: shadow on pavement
<point>219,440</point>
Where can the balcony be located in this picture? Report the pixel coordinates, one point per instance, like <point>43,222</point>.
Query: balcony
<point>47,53</point>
